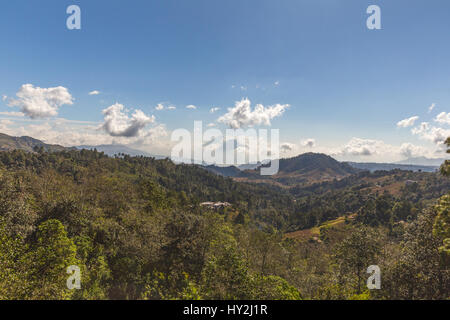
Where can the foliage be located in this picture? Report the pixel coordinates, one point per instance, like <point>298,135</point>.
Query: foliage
<point>134,227</point>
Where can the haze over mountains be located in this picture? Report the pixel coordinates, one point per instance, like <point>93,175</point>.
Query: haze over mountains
<point>422,161</point>
<point>373,166</point>
<point>304,168</point>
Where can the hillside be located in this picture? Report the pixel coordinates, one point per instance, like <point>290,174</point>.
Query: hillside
<point>136,229</point>
<point>8,143</point>
<point>230,171</point>
<point>115,149</point>
<point>304,169</point>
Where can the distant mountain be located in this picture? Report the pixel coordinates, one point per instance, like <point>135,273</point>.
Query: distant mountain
<point>310,162</point>
<point>9,143</point>
<point>371,166</point>
<point>303,169</point>
<point>249,166</point>
<point>113,149</point>
<point>422,161</point>
<point>230,171</point>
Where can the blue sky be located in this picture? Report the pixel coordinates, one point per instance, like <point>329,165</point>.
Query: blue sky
<point>342,81</point>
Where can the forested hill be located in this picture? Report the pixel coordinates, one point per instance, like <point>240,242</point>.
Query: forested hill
<point>189,184</point>
<point>304,166</point>
<point>136,228</point>
<point>308,162</point>
<point>8,143</point>
<point>304,169</point>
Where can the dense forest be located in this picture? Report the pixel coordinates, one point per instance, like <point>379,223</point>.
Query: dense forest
<point>136,229</point>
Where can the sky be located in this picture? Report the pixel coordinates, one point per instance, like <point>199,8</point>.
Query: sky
<point>137,71</point>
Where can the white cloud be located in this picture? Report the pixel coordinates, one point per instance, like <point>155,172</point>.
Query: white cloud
<point>94,93</point>
<point>74,133</point>
<point>286,147</point>
<point>407,122</point>
<point>215,109</point>
<point>38,102</point>
<point>119,124</point>
<point>171,107</point>
<point>365,147</point>
<point>243,116</point>
<point>4,97</point>
<point>277,83</point>
<point>436,135</point>
<point>191,106</point>
<point>430,108</point>
<point>151,135</point>
<point>424,126</point>
<point>410,150</point>
<point>358,149</point>
<point>309,143</point>
<point>159,107</point>
<point>443,118</point>
<point>210,125</point>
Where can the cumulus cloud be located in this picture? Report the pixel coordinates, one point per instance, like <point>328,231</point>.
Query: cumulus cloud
<point>159,107</point>
<point>243,116</point>
<point>210,125</point>
<point>286,147</point>
<point>434,134</point>
<point>154,140</point>
<point>171,107</point>
<point>430,108</point>
<point>365,147</point>
<point>308,143</point>
<point>409,122</point>
<point>94,93</point>
<point>213,110</point>
<point>118,124</point>
<point>37,102</point>
<point>277,83</point>
<point>4,97</point>
<point>191,106</point>
<point>422,128</point>
<point>151,135</point>
<point>410,150</point>
<point>443,118</point>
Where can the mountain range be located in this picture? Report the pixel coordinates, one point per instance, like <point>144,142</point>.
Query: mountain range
<point>9,143</point>
<point>422,161</point>
<point>373,166</point>
<point>302,169</point>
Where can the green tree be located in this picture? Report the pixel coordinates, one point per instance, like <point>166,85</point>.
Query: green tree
<point>441,228</point>
<point>445,168</point>
<point>49,259</point>
<point>12,269</point>
<point>355,254</point>
<point>274,288</point>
